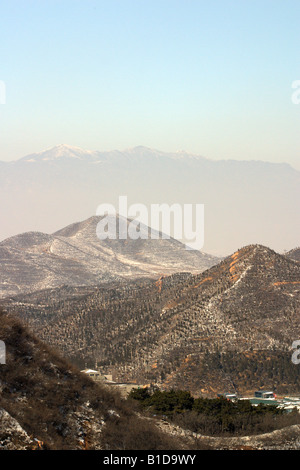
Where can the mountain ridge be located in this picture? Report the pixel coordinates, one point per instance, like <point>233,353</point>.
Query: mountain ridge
<point>74,255</point>
<point>189,331</point>
<point>66,150</point>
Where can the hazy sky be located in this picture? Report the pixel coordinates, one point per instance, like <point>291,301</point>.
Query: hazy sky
<point>210,77</point>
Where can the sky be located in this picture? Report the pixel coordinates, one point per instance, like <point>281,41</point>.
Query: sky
<point>212,78</point>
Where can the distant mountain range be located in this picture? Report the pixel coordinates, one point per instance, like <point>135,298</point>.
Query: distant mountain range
<point>228,328</point>
<point>245,202</point>
<point>74,256</point>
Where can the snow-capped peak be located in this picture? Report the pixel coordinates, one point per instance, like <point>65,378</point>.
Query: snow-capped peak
<point>61,151</point>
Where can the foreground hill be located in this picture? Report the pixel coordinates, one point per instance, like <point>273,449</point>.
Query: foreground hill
<point>230,327</point>
<point>74,256</point>
<point>46,403</point>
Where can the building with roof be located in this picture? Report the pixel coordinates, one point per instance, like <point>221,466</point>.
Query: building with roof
<point>265,394</point>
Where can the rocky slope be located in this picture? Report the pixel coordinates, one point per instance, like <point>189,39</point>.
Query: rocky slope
<point>74,256</point>
<point>46,403</point>
<point>12,436</point>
